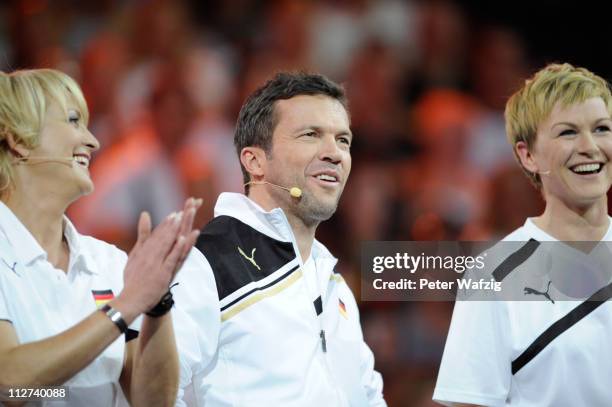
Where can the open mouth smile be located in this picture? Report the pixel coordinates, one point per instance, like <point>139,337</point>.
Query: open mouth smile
<point>81,159</point>
<point>587,169</point>
<point>327,178</point>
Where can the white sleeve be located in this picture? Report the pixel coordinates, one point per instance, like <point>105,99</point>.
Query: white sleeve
<point>197,323</point>
<point>4,314</point>
<point>476,365</point>
<point>4,268</point>
<point>370,378</point>
<point>190,354</point>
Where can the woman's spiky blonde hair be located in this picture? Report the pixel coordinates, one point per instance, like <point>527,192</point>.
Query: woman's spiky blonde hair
<point>555,84</point>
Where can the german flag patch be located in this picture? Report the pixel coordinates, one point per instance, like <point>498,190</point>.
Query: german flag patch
<point>342,308</point>
<point>101,297</point>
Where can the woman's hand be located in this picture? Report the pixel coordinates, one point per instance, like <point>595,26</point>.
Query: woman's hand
<point>155,259</point>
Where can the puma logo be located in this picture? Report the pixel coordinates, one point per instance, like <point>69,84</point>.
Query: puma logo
<point>528,290</point>
<point>251,259</point>
<point>11,267</point>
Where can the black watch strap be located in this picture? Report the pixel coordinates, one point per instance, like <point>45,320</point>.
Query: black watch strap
<point>164,305</point>
<point>116,317</point>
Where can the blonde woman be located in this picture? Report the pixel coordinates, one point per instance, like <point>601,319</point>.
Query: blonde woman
<point>67,299</point>
<point>552,352</point>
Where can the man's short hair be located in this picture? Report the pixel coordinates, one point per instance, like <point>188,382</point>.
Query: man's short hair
<point>257,119</point>
<point>532,104</point>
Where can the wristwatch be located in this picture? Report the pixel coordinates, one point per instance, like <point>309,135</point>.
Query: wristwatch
<point>164,305</point>
<point>116,317</point>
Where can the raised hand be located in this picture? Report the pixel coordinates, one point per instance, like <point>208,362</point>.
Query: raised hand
<point>155,259</point>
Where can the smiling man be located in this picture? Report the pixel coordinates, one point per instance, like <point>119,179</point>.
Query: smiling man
<point>275,324</point>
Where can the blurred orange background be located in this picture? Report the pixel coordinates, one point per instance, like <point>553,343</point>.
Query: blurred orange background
<point>426,80</point>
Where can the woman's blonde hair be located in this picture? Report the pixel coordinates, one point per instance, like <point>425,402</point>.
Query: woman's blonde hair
<point>533,103</point>
<point>25,96</point>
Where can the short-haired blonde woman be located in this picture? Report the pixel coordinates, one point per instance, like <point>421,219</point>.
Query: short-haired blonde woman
<point>556,351</point>
<point>67,299</point>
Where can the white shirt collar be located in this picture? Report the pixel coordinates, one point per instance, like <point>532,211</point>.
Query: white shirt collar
<point>77,252</point>
<point>540,235</point>
<point>27,249</point>
<point>23,244</point>
<point>273,223</point>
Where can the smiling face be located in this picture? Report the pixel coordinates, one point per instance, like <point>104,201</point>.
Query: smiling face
<point>571,153</point>
<point>63,135</point>
<point>310,150</point>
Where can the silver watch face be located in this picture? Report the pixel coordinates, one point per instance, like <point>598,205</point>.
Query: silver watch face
<point>114,315</point>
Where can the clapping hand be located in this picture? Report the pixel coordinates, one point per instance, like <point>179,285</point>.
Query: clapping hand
<point>156,258</point>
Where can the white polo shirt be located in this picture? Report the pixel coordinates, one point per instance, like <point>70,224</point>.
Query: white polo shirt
<point>41,301</point>
<point>504,353</point>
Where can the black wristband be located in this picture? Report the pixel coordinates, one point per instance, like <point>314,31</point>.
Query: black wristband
<point>116,317</point>
<point>164,305</point>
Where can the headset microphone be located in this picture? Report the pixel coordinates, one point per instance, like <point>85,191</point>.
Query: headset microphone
<point>42,160</point>
<point>543,172</point>
<point>295,192</point>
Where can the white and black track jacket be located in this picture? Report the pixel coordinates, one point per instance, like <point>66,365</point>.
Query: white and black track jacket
<point>256,326</point>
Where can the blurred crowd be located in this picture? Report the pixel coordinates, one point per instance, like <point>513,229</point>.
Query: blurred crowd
<point>164,81</point>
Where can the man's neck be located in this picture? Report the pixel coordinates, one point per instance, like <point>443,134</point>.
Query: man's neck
<point>304,233</point>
